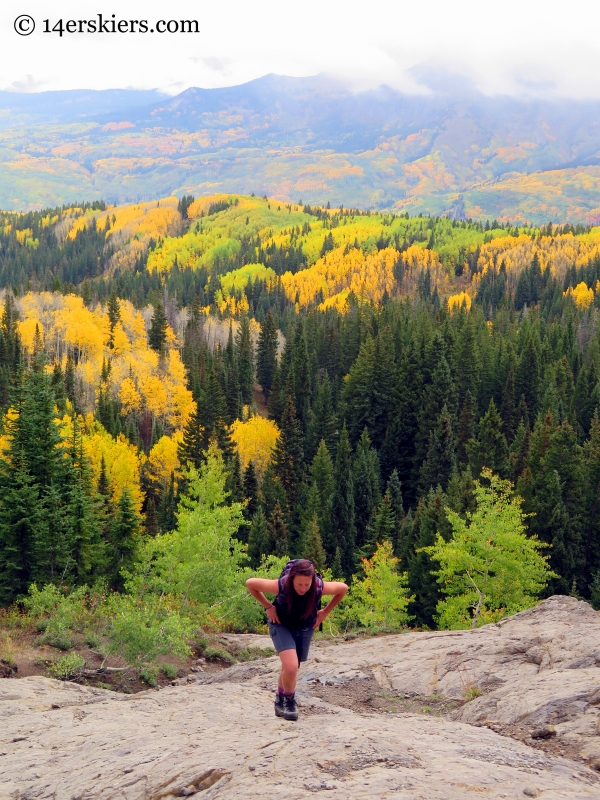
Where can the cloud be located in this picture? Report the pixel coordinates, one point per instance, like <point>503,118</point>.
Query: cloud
<point>222,65</point>
<point>26,84</point>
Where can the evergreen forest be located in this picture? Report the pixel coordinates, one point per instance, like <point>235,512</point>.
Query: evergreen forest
<point>312,382</point>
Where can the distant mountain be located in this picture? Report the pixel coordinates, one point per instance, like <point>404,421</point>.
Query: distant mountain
<point>450,151</point>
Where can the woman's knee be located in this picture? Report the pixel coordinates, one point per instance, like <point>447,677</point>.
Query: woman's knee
<point>289,662</point>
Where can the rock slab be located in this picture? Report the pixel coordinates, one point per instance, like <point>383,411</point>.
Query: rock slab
<point>218,737</point>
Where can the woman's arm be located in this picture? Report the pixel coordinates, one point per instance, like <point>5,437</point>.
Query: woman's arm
<point>338,590</point>
<point>257,587</point>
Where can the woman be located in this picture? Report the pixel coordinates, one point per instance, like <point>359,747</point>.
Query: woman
<point>293,617</point>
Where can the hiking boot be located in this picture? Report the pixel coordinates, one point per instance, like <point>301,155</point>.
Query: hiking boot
<point>290,708</point>
<point>279,705</point>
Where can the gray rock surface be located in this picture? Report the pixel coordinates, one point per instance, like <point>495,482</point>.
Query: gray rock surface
<point>218,737</point>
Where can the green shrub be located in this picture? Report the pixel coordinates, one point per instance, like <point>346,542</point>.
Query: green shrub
<point>66,667</point>
<point>61,639</point>
<point>170,670</point>
<point>92,639</point>
<point>139,631</point>
<point>149,675</point>
<point>218,654</point>
<point>253,653</point>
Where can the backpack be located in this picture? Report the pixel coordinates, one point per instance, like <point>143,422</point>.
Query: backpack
<point>280,599</point>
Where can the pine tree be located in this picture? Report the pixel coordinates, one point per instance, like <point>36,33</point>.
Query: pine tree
<point>344,531</point>
<point>124,535</point>
<point>245,360</point>
<point>278,532</point>
<point>250,491</point>
<point>191,448</point>
<point>322,420</point>
<point>266,362</point>
<point>157,335</point>
<point>258,539</point>
<point>430,519</point>
<point>440,462</point>
<point>114,315</point>
<point>300,375</point>
<point>166,511</point>
<point>151,521</point>
<point>490,450</point>
<point>321,474</point>
<point>276,399</point>
<point>288,453</point>
<point>314,550</point>
<point>382,527</point>
<point>366,488</point>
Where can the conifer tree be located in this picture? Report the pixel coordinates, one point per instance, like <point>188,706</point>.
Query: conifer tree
<point>342,514</point>
<point>366,488</point>
<point>114,315</point>
<point>245,360</point>
<point>313,549</point>
<point>440,462</point>
<point>490,449</point>
<point>258,539</point>
<point>266,362</point>
<point>157,335</point>
<point>430,519</point>
<point>278,532</point>
<point>250,491</point>
<point>322,421</point>
<point>166,511</point>
<point>124,537</point>
<point>288,453</point>
<point>321,474</point>
<point>276,398</point>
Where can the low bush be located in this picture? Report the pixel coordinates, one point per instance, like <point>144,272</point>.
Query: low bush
<point>66,667</point>
<point>169,670</point>
<point>219,654</point>
<point>149,675</point>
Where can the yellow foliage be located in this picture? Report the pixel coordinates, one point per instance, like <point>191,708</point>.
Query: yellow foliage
<point>583,296</point>
<point>163,458</point>
<point>369,277</point>
<point>255,440</point>
<point>26,330</point>
<point>23,235</point>
<point>457,301</point>
<point>137,376</point>
<point>121,460</point>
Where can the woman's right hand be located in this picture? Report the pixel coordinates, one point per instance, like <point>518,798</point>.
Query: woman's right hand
<point>272,615</point>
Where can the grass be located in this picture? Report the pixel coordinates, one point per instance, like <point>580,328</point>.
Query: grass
<point>9,650</point>
<point>471,692</point>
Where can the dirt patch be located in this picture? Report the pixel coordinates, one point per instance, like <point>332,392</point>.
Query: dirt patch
<point>367,696</point>
<point>553,745</point>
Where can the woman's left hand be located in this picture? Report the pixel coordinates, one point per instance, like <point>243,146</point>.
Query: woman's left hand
<point>321,616</point>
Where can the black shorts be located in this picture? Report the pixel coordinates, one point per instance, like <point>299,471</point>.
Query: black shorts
<point>287,639</point>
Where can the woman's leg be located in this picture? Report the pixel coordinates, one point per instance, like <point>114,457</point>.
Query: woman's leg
<point>289,670</point>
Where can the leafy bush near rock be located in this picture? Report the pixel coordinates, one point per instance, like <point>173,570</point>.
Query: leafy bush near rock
<point>66,667</point>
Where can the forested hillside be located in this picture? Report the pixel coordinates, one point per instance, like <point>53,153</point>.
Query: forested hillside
<point>448,150</point>
<point>345,376</point>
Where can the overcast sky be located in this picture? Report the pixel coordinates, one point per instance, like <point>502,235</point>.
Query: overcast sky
<point>542,48</point>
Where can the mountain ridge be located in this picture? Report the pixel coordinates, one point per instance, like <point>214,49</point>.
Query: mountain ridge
<point>447,152</point>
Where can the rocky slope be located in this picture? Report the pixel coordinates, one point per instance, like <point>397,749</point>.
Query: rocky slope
<point>215,736</point>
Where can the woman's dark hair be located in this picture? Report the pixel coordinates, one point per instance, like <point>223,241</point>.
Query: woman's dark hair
<point>305,568</point>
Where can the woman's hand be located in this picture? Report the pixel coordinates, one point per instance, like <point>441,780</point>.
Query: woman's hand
<point>321,616</point>
<point>272,615</point>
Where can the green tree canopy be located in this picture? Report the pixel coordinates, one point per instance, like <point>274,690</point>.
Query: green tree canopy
<point>489,568</point>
